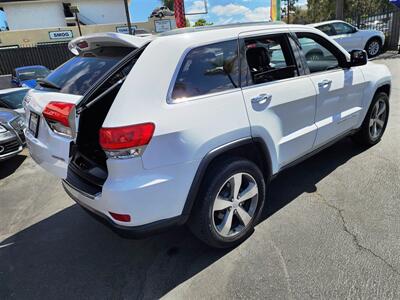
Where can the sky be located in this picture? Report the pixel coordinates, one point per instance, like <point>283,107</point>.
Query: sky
<point>219,11</point>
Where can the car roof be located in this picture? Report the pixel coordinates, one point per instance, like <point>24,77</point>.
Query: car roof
<point>6,91</point>
<point>235,28</point>
<point>326,22</point>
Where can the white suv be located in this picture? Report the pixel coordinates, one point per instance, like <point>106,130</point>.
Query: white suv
<point>191,125</point>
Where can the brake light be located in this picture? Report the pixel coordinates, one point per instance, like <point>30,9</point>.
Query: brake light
<point>119,138</point>
<point>58,116</point>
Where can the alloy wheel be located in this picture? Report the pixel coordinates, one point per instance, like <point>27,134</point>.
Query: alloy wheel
<point>373,48</point>
<point>235,205</point>
<point>377,119</point>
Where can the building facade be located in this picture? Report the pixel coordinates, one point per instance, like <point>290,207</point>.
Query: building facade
<point>36,14</point>
<point>37,22</point>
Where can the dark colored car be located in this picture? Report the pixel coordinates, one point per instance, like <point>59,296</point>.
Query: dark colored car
<point>161,12</point>
<point>28,76</point>
<point>12,138</point>
<point>13,98</point>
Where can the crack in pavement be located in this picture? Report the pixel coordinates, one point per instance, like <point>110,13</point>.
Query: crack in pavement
<point>354,236</point>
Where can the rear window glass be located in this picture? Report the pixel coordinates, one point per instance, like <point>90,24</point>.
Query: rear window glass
<point>78,74</point>
<point>32,73</point>
<point>208,69</point>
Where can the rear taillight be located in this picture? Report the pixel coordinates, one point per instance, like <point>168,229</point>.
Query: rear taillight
<point>127,141</point>
<point>60,118</point>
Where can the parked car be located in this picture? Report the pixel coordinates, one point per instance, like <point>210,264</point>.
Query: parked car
<point>13,98</point>
<point>352,38</point>
<point>161,12</point>
<point>28,76</point>
<point>198,140</point>
<point>12,139</point>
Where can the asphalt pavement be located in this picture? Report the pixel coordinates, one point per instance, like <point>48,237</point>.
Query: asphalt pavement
<point>331,230</point>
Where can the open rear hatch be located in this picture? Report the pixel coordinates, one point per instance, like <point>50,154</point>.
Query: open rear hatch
<point>67,109</point>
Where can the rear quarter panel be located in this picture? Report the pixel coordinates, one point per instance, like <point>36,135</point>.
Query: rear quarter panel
<point>187,131</point>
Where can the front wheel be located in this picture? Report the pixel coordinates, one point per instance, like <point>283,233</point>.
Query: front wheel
<point>229,203</point>
<point>375,122</point>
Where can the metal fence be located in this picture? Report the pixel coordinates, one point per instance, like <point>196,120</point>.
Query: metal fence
<point>387,21</point>
<point>50,55</point>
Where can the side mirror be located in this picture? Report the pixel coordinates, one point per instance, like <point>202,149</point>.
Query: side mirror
<point>358,58</point>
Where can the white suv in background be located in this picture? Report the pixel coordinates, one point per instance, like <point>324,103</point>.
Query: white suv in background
<point>352,38</point>
<point>191,125</point>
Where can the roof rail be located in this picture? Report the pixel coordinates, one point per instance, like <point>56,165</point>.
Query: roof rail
<point>215,27</point>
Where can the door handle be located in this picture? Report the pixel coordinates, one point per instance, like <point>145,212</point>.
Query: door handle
<point>262,99</point>
<point>324,83</point>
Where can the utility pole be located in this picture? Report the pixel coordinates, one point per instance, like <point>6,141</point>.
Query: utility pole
<point>288,11</point>
<point>128,17</point>
<point>339,9</point>
<point>75,11</point>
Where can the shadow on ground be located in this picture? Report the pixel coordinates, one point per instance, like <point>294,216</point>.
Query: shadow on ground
<point>69,255</point>
<point>9,166</point>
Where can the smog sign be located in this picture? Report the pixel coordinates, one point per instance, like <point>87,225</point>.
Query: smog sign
<point>124,29</point>
<point>61,35</point>
<point>162,25</point>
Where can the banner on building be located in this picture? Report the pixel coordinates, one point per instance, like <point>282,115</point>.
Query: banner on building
<point>179,7</point>
<point>275,10</point>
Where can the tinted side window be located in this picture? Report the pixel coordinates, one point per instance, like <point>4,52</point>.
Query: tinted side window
<point>343,28</point>
<point>327,29</point>
<point>268,58</point>
<point>319,58</point>
<point>208,69</point>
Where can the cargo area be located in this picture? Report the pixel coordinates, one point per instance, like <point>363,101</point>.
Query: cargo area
<point>88,168</point>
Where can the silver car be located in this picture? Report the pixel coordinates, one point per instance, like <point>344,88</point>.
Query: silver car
<point>12,138</point>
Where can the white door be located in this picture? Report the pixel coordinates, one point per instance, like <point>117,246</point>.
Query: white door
<point>339,91</point>
<point>280,103</point>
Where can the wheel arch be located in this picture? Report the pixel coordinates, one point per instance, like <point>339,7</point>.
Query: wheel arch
<point>374,37</point>
<point>250,148</point>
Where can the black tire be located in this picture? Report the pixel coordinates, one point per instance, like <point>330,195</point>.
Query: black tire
<point>364,135</point>
<point>371,50</point>
<point>202,221</point>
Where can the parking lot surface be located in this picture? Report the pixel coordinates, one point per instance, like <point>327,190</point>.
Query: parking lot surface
<point>331,229</point>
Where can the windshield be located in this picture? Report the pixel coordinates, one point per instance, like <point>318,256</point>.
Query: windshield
<point>32,73</point>
<point>78,74</point>
<point>14,99</point>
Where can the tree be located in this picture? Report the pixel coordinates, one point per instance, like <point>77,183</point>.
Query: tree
<point>202,22</point>
<point>289,9</point>
<point>168,3</point>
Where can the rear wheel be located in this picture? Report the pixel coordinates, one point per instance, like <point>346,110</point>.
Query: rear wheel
<point>229,203</point>
<point>375,121</point>
<point>373,47</point>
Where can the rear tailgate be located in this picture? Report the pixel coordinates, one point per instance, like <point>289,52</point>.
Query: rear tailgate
<point>95,56</point>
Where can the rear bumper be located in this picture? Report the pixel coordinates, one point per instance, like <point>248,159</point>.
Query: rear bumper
<point>81,198</point>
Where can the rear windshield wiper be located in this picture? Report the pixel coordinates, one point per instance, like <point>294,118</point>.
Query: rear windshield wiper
<point>48,84</point>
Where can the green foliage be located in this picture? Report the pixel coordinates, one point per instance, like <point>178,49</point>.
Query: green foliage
<point>168,3</point>
<point>202,22</point>
<point>322,10</point>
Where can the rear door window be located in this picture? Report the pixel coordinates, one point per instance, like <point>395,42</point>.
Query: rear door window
<point>269,58</point>
<point>208,69</point>
<point>78,74</point>
<point>327,29</point>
